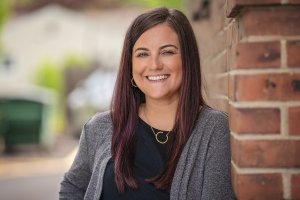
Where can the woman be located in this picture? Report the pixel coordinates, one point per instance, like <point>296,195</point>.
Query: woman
<point>160,140</point>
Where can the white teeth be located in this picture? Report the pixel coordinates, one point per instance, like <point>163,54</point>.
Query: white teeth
<point>157,78</point>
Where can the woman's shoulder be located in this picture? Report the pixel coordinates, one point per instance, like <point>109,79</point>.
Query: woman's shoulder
<point>212,122</point>
<point>99,126</point>
<point>100,118</point>
<point>210,114</point>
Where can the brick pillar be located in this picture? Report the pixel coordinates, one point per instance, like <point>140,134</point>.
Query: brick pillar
<point>263,62</point>
<point>250,60</point>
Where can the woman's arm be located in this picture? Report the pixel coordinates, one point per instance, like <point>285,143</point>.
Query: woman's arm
<point>76,180</point>
<point>217,172</point>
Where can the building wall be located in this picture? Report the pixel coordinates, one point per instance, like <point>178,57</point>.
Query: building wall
<point>250,55</point>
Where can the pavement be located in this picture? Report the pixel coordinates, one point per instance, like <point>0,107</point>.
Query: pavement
<point>43,187</point>
<point>30,161</point>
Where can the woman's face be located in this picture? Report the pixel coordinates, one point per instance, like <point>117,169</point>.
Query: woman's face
<point>157,65</point>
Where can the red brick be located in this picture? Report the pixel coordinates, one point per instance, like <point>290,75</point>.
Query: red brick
<point>266,153</point>
<point>231,88</point>
<point>254,120</point>
<point>294,1</point>
<point>257,186</point>
<point>293,52</point>
<point>257,55</point>
<point>266,87</point>
<point>295,186</point>
<point>279,21</point>
<point>294,120</point>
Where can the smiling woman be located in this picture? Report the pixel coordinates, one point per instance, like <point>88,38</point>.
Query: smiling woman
<point>159,140</point>
<point>157,65</point>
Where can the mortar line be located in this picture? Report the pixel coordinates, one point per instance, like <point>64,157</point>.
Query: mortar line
<point>263,104</point>
<point>218,96</point>
<point>219,55</point>
<point>284,125</point>
<point>226,27</point>
<point>248,170</point>
<point>284,1</point>
<point>221,75</point>
<point>283,53</point>
<point>263,71</point>
<point>269,38</point>
<point>286,183</point>
<point>260,136</point>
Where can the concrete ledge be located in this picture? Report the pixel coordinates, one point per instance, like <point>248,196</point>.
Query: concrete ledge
<point>234,7</point>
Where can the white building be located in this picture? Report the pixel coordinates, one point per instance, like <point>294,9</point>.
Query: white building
<point>53,32</point>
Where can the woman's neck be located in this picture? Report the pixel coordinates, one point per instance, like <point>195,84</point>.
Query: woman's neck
<point>160,115</point>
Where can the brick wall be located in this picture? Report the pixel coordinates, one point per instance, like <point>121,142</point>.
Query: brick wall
<point>250,55</point>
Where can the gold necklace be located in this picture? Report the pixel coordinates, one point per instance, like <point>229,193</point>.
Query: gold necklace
<point>158,139</point>
<point>158,133</point>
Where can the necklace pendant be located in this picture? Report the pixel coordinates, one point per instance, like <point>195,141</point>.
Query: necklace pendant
<point>159,140</point>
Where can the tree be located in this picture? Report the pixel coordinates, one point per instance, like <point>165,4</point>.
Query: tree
<point>5,6</point>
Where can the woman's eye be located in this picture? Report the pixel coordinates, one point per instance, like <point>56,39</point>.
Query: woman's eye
<point>168,52</point>
<point>142,54</point>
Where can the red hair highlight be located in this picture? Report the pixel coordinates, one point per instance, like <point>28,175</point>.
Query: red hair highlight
<point>127,99</point>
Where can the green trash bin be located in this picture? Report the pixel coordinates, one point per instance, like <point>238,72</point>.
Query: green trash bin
<point>24,118</point>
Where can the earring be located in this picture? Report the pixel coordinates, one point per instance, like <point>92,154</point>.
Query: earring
<point>133,83</point>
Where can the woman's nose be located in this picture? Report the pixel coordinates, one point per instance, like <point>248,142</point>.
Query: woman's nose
<point>155,63</point>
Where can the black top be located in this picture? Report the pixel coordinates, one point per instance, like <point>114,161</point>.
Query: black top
<point>150,158</point>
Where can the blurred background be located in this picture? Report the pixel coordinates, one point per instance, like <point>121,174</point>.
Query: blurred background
<point>58,62</point>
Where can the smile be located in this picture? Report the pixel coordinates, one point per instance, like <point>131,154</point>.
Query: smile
<point>157,77</point>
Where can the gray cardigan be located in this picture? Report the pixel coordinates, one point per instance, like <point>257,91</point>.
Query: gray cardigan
<point>203,170</point>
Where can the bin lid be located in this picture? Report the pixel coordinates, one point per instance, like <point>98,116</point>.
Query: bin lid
<point>27,91</point>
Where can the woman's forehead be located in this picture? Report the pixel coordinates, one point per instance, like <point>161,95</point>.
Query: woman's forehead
<point>159,35</point>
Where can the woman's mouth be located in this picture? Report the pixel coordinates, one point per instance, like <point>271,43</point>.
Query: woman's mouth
<point>158,77</point>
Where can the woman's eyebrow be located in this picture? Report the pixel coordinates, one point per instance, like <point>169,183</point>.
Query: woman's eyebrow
<point>168,45</point>
<point>162,47</point>
<point>141,49</point>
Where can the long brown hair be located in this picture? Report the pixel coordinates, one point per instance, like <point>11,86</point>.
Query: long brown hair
<point>127,99</point>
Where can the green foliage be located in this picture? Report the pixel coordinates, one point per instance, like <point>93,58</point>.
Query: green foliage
<point>178,4</point>
<point>50,75</point>
<point>5,6</point>
<point>74,60</point>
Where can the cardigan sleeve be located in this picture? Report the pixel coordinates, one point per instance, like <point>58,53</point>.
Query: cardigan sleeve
<point>217,173</point>
<point>76,180</point>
